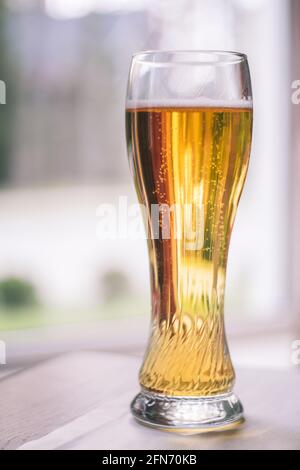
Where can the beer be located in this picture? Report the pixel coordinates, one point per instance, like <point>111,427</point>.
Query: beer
<point>197,156</point>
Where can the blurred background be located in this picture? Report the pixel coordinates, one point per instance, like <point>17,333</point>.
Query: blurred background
<point>63,286</point>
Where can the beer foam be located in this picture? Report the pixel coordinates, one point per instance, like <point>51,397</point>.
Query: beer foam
<point>188,103</point>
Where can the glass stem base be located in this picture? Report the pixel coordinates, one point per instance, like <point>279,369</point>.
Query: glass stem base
<point>187,415</point>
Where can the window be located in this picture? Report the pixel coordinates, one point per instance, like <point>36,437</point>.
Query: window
<point>67,66</point>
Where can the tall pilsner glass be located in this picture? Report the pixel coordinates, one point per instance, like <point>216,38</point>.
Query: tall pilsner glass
<point>188,124</point>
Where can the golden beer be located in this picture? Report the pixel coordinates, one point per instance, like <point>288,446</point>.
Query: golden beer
<point>197,157</point>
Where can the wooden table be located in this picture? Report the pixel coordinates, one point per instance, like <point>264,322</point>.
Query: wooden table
<point>81,401</point>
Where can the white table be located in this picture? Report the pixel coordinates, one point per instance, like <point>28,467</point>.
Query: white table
<point>81,401</point>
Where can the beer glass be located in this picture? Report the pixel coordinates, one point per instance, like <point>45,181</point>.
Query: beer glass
<point>188,127</point>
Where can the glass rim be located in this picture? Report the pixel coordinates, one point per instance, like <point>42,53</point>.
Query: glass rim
<point>189,57</point>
